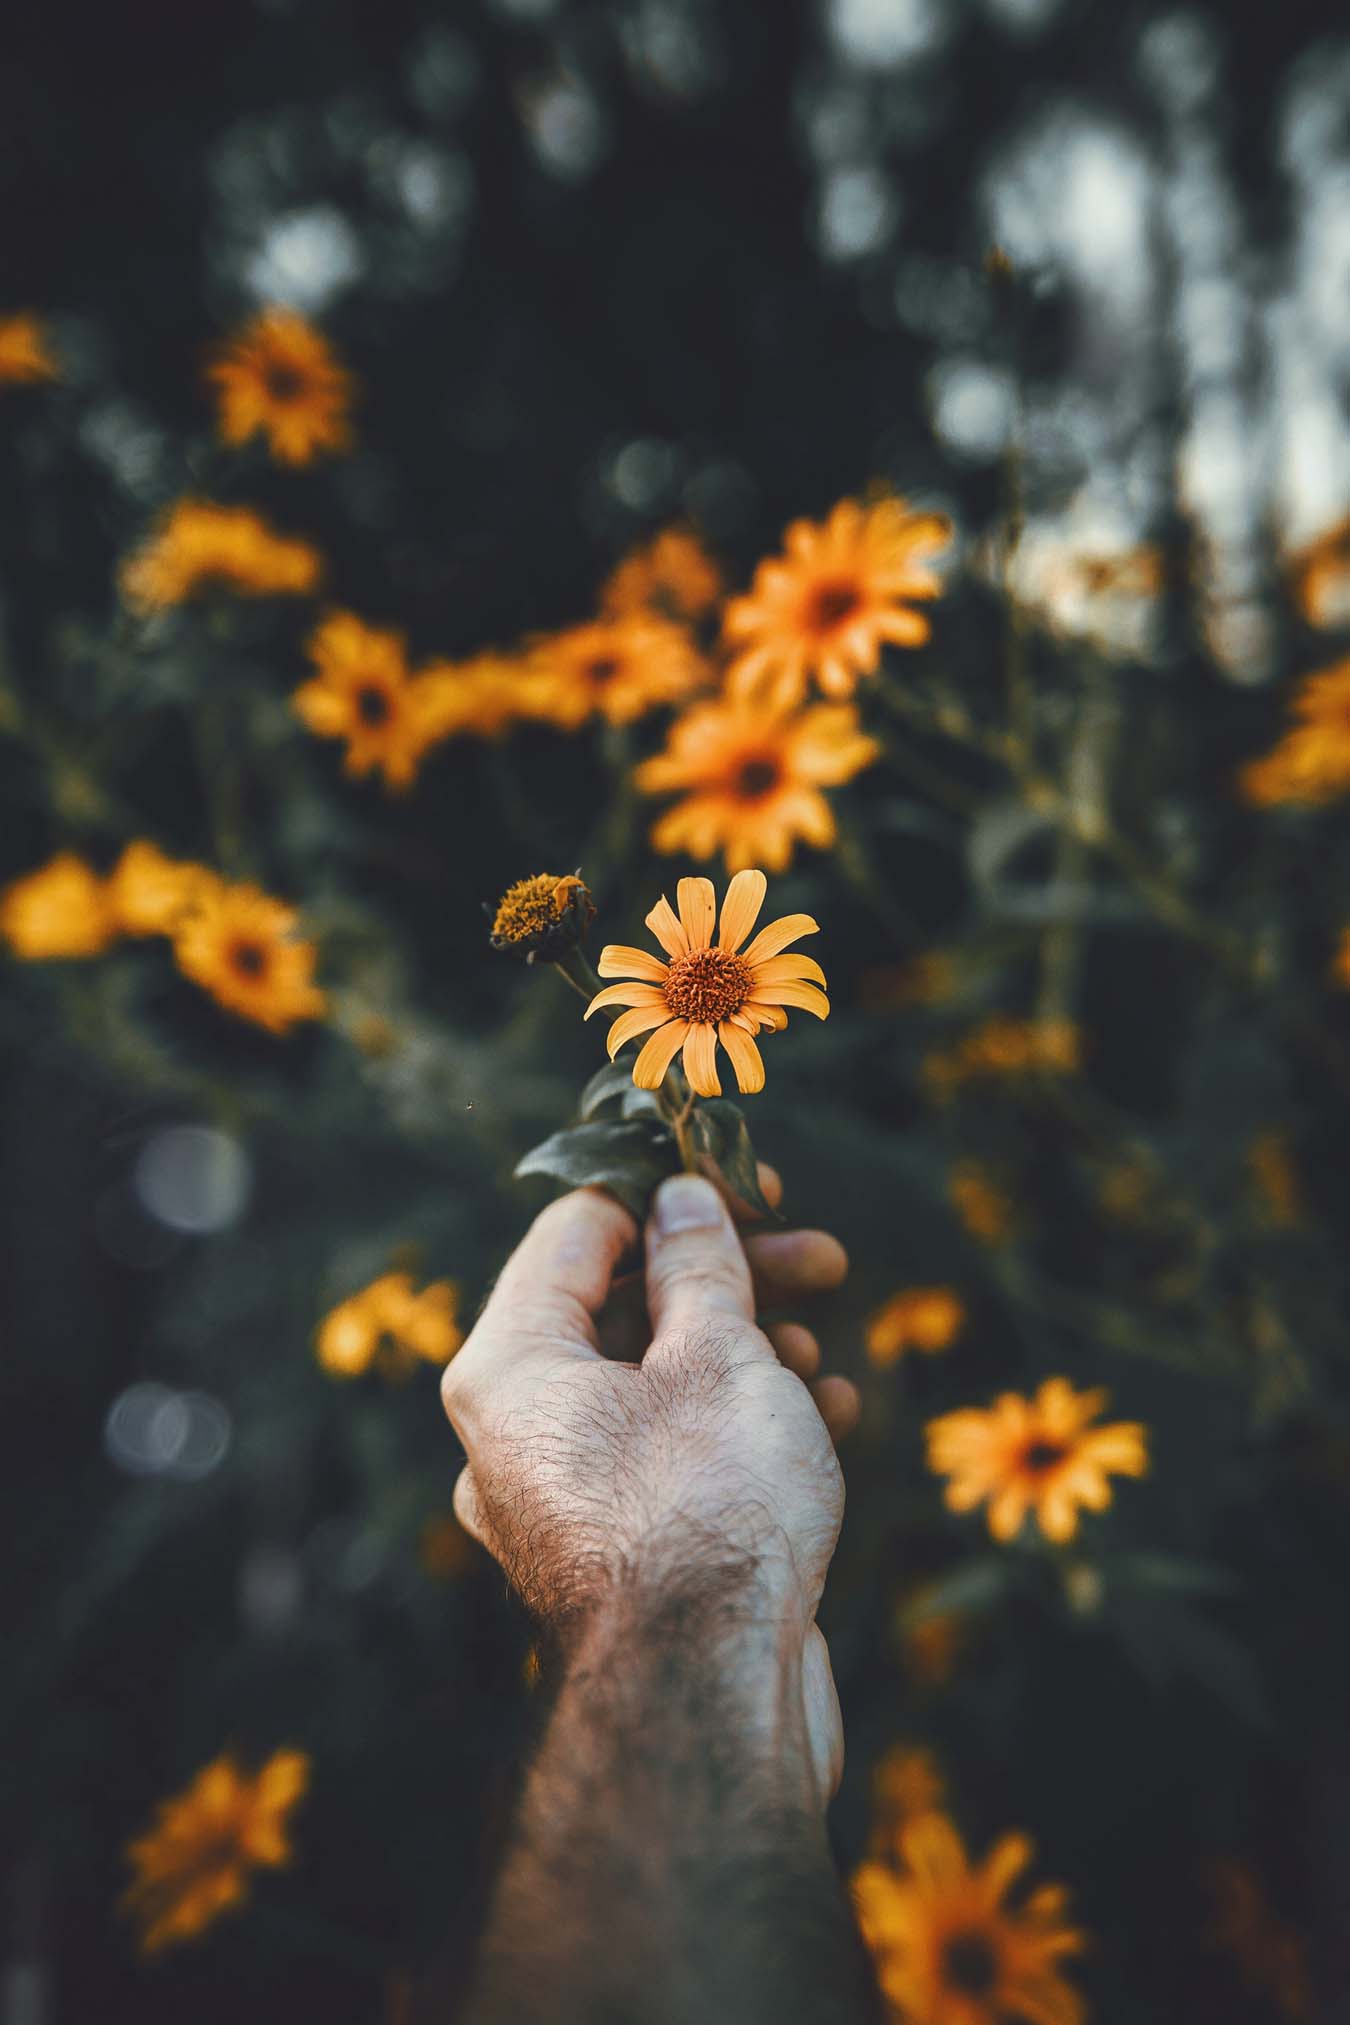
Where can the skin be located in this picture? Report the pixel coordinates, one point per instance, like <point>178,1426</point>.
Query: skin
<point>657,1475</point>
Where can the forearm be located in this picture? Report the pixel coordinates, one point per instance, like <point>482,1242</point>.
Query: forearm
<point>671,1862</point>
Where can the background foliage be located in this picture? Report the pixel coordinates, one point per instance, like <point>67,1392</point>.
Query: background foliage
<point>598,267</point>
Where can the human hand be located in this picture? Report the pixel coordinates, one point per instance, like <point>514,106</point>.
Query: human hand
<point>703,1476</point>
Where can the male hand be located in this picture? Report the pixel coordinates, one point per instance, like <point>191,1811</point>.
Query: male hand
<point>704,1471</point>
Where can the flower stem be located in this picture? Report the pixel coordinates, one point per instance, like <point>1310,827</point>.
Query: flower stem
<point>674,1097</point>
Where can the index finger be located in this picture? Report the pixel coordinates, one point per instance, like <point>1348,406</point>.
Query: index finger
<point>559,1275</point>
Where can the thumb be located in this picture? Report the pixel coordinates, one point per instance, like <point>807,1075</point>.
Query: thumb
<point>695,1263</point>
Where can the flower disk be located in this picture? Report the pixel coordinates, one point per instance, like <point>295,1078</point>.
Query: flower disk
<point>705,994</point>
<point>278,377</point>
<point>1036,1455</point>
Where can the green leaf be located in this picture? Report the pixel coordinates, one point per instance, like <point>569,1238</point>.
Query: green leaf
<point>628,1158</point>
<point>722,1145</point>
<point>976,1585</point>
<point>605,1085</point>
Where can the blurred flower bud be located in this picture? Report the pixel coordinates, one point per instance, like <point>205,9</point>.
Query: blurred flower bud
<point>543,917</point>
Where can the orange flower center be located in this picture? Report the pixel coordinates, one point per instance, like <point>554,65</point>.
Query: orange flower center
<point>249,958</point>
<point>707,985</point>
<point>831,603</point>
<point>1043,1455</point>
<point>603,669</point>
<point>372,705</point>
<point>969,1964</point>
<point>757,777</point>
<point>284,383</point>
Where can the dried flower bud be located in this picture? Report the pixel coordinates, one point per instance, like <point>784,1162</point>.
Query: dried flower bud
<point>543,917</point>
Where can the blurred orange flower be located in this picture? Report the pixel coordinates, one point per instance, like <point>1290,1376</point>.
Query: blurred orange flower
<point>198,546</point>
<point>240,945</point>
<point>1311,763</point>
<point>477,698</point>
<point>278,376</point>
<point>618,667</point>
<point>824,608</point>
<point>1320,575</point>
<point>388,1324</point>
<point>948,1948</point>
<point>1271,1162</point>
<point>149,893</point>
<point>706,994</point>
<point>673,576</point>
<point>983,1205</point>
<point>1037,1455</point>
<point>59,910</point>
<point>919,1318</point>
<point>25,352</point>
<point>1340,962</point>
<point>905,1783</point>
<point>1005,1047</point>
<point>754,779</point>
<point>364,694</point>
<point>193,1864</point>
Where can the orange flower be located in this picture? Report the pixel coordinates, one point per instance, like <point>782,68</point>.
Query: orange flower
<point>1005,1047</point>
<point>199,546</point>
<point>149,893</point>
<point>363,693</point>
<point>824,608</point>
<point>673,576</point>
<point>278,375</point>
<point>479,698</point>
<point>387,1323</point>
<point>542,917</point>
<point>920,1318</point>
<point>905,1784</point>
<point>1311,763</point>
<point>194,1863</point>
<point>754,779</point>
<point>59,910</point>
<point>1036,1455</point>
<point>984,1207</point>
<point>25,353</point>
<point>707,994</point>
<point>620,667</point>
<point>1321,577</point>
<point>240,945</point>
<point>1340,962</point>
<point>949,1950</point>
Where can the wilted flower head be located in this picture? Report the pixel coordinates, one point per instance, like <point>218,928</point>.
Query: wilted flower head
<point>543,917</point>
<point>194,1863</point>
<point>704,993</point>
<point>278,376</point>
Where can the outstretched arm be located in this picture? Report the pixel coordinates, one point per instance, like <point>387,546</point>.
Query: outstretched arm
<point>670,1522</point>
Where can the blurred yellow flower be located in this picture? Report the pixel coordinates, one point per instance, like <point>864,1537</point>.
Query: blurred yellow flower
<point>543,916</point>
<point>59,910</point>
<point>823,609</point>
<point>363,693</point>
<point>1270,1161</point>
<point>478,698</point>
<point>149,893</point>
<point>1311,763</point>
<point>388,1324</point>
<point>25,352</point>
<point>1040,1455</point>
<point>705,993</point>
<point>930,1640</point>
<point>1340,962</point>
<point>753,779</point>
<point>445,1550</point>
<point>240,945</point>
<point>927,979</point>
<point>618,667</point>
<point>1005,1047</point>
<point>1320,577</point>
<point>193,1864</point>
<point>983,1204</point>
<point>673,576</point>
<point>906,1783</point>
<point>949,1949</point>
<point>278,375</point>
<point>199,546</point>
<point>918,1318</point>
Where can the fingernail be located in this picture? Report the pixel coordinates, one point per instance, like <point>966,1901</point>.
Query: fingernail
<point>686,1202</point>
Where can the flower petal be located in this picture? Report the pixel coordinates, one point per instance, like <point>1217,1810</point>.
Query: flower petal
<point>658,1054</point>
<point>629,993</point>
<point>697,903</point>
<point>807,996</point>
<point>618,959</point>
<point>665,926</point>
<point>744,1056</point>
<point>640,1020</point>
<point>740,908</point>
<point>792,968</point>
<point>778,934</point>
<point>700,1059</point>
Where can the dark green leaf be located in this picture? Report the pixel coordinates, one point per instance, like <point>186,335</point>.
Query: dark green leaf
<point>628,1158</point>
<point>973,1587</point>
<point>723,1147</point>
<point>605,1086</point>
